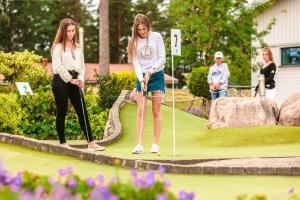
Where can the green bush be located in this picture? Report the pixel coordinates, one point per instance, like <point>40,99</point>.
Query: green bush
<point>38,117</point>
<point>111,85</point>
<point>198,85</point>
<point>22,66</point>
<point>38,114</point>
<point>10,113</point>
<point>34,116</point>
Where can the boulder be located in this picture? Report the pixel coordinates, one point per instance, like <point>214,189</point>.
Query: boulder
<point>242,112</point>
<point>290,111</point>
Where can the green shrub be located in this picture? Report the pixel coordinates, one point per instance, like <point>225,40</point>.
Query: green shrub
<point>10,113</point>
<point>22,66</point>
<point>111,85</point>
<point>38,114</point>
<point>34,116</point>
<point>198,85</point>
<point>38,117</point>
<point>97,115</point>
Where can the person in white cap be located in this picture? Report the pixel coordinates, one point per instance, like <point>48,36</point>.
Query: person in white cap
<point>218,77</point>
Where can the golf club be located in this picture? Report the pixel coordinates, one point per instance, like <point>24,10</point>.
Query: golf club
<point>144,96</point>
<point>83,111</point>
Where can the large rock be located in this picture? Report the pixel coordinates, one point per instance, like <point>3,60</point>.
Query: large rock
<point>290,111</point>
<point>242,112</point>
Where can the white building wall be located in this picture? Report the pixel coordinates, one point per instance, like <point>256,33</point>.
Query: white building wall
<point>285,33</point>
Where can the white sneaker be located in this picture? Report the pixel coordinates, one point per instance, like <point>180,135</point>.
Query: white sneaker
<point>154,148</point>
<point>138,149</point>
<point>65,145</point>
<point>95,147</point>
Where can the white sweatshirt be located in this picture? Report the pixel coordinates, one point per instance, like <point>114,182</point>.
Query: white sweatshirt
<point>62,61</point>
<point>150,56</point>
<point>219,73</point>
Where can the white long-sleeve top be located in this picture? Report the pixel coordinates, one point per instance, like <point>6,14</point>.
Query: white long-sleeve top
<point>62,61</point>
<point>149,55</point>
<point>219,73</point>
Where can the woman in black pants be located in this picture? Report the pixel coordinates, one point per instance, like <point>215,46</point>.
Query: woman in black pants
<point>68,81</point>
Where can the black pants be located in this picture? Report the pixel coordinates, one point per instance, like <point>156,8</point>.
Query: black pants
<point>63,92</point>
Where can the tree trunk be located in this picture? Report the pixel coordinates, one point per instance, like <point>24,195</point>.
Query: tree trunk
<point>104,36</point>
<point>118,36</point>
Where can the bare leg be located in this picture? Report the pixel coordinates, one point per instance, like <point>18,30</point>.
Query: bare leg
<point>156,111</point>
<point>140,125</point>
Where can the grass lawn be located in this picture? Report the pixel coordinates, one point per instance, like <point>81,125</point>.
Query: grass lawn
<point>194,140</point>
<point>182,97</point>
<point>17,158</point>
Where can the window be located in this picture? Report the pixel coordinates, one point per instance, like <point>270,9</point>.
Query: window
<point>290,56</point>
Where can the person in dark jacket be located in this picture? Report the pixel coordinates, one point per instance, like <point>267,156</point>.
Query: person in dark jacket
<point>268,70</point>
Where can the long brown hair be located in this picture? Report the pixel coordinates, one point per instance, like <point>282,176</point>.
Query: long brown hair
<point>269,52</point>
<point>61,34</point>
<point>139,19</point>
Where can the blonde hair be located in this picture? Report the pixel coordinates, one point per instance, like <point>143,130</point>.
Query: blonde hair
<point>269,52</point>
<point>61,34</point>
<point>139,19</point>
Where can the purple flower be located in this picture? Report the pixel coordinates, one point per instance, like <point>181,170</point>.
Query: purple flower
<point>69,170</point>
<point>145,181</point>
<point>162,169</point>
<point>133,173</point>
<point>4,175</point>
<point>101,179</point>
<point>138,182</point>
<point>200,110</point>
<point>39,191</point>
<point>90,182</point>
<point>150,179</point>
<point>71,182</point>
<point>16,183</point>
<point>4,178</point>
<point>59,192</point>
<point>62,172</point>
<point>186,195</point>
<point>161,197</point>
<point>26,195</point>
<point>193,110</point>
<point>166,184</point>
<point>102,193</point>
<point>52,180</point>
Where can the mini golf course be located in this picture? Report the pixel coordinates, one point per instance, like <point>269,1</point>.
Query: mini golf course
<point>194,141</point>
<point>213,187</point>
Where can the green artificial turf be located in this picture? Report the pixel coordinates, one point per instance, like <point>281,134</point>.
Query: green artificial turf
<point>17,158</point>
<point>194,140</point>
<point>254,136</point>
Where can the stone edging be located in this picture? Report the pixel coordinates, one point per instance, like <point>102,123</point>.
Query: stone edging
<point>113,128</point>
<point>176,167</point>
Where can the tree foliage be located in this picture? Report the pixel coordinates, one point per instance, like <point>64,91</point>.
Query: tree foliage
<point>32,25</point>
<point>208,26</point>
<point>121,15</point>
